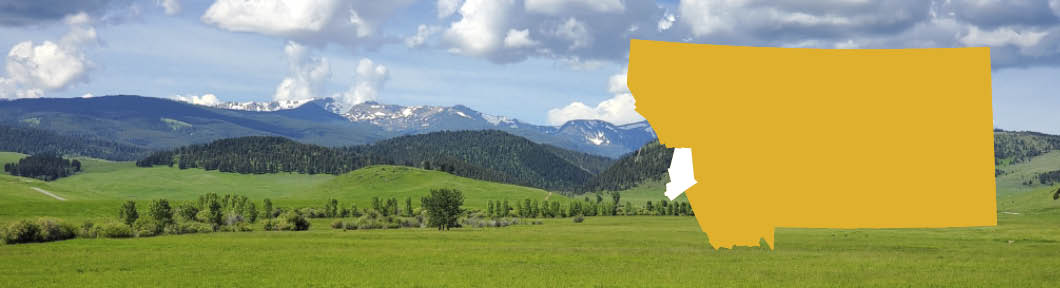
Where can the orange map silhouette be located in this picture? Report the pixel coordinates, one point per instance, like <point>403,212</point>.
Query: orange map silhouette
<point>823,138</point>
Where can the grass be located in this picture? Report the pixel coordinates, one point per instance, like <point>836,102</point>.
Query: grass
<point>603,251</point>
<point>636,251</point>
<point>99,190</point>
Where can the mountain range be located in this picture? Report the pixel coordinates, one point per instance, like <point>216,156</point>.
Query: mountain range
<point>156,123</point>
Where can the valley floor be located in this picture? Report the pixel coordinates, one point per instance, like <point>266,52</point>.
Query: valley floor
<point>634,251</point>
<point>629,251</point>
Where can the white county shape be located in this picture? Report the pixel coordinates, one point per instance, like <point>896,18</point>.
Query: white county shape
<point>681,175</point>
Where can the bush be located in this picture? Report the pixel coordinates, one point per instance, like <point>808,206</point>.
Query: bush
<point>337,224</point>
<point>147,227</point>
<point>188,228</point>
<point>23,231</point>
<point>579,219</point>
<point>240,227</point>
<point>349,225</point>
<point>289,221</point>
<point>88,230</point>
<point>115,230</point>
<point>54,230</point>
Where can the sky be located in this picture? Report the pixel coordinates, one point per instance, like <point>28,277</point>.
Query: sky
<point>541,61</point>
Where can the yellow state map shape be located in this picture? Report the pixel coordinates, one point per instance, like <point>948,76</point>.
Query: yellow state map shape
<point>823,138</point>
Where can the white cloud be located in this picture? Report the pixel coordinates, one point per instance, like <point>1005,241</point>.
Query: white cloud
<point>205,100</point>
<point>556,7</point>
<point>271,17</point>
<point>171,7</point>
<point>576,32</point>
<point>307,76</point>
<point>33,69</point>
<point>479,28</point>
<point>666,22</point>
<point>349,23</point>
<point>423,32</point>
<point>447,8</point>
<point>519,39</point>
<point>555,29</point>
<point>1001,37</point>
<point>369,81</point>
<point>620,109</point>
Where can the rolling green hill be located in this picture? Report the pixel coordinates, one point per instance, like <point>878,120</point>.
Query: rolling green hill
<point>400,182</point>
<point>98,191</point>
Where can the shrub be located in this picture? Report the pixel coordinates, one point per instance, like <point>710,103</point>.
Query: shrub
<point>337,224</point>
<point>23,231</point>
<point>297,222</point>
<point>147,227</point>
<point>349,225</point>
<point>232,218</point>
<point>54,230</point>
<point>240,227</point>
<point>88,230</point>
<point>190,227</point>
<point>579,219</point>
<point>115,230</point>
<point>289,221</point>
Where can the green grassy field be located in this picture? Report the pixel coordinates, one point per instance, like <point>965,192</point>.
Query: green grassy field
<point>626,251</point>
<point>97,192</point>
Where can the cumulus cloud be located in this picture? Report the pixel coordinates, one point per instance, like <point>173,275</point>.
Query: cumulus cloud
<point>666,22</point>
<point>307,74</point>
<point>350,23</point>
<point>33,69</point>
<point>1020,33</point>
<point>619,109</point>
<point>423,32</point>
<point>519,39</point>
<point>447,8</point>
<point>557,7</point>
<point>171,7</point>
<point>205,100</point>
<point>369,80</point>
<point>571,31</point>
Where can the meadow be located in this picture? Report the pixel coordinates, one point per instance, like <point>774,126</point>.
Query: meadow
<point>624,251</point>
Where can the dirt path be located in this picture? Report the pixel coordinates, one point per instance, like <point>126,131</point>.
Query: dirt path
<point>45,192</point>
<point>549,195</point>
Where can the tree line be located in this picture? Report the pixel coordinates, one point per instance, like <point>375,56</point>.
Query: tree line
<point>45,167</point>
<point>487,155</point>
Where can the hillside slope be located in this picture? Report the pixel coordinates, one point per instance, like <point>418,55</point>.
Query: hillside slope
<point>649,163</point>
<point>400,182</point>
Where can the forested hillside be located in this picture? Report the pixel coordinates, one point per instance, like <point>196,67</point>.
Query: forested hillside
<point>521,161</point>
<point>485,155</point>
<point>1015,147</point>
<point>262,154</point>
<point>36,141</point>
<point>650,162</point>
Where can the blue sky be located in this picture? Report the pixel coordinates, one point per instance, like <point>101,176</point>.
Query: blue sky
<point>542,61</point>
